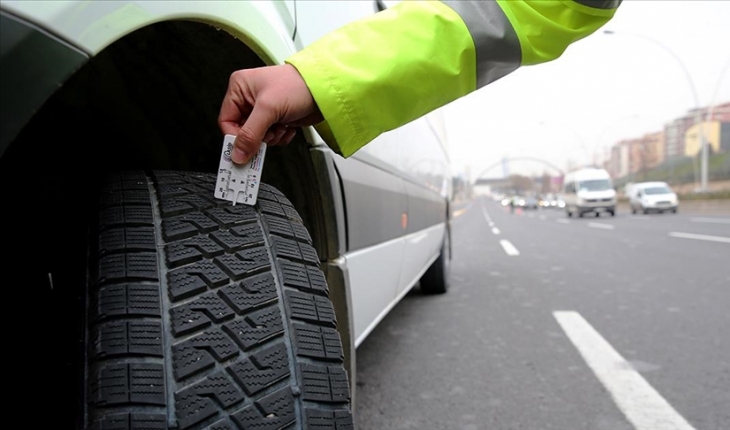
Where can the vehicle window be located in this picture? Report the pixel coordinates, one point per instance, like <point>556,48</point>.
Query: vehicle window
<point>594,185</point>
<point>657,190</point>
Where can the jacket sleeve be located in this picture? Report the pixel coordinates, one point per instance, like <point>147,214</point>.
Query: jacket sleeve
<point>381,72</point>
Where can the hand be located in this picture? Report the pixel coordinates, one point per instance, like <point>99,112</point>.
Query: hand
<point>265,104</point>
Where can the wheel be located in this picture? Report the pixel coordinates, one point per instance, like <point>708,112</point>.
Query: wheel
<point>674,211</point>
<point>569,213</point>
<point>613,213</point>
<point>598,214</point>
<point>581,214</point>
<point>633,210</point>
<point>436,278</point>
<point>645,211</point>
<point>206,315</point>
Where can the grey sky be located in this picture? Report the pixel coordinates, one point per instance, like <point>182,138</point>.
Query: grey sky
<point>604,88</point>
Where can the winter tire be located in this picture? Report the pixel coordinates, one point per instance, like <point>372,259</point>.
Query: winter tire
<point>204,315</point>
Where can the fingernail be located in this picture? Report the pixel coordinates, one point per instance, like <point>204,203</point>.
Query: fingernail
<point>269,135</point>
<point>238,156</point>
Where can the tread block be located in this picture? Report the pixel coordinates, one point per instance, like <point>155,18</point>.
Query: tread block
<point>251,293</point>
<point>201,352</point>
<point>139,196</point>
<point>187,225</point>
<point>191,250</point>
<point>226,218</point>
<point>255,328</point>
<point>244,262</point>
<point>141,266</point>
<point>308,278</point>
<point>127,337</point>
<point>224,424</point>
<point>194,279</point>
<point>132,421</point>
<point>317,342</point>
<point>126,181</point>
<point>284,228</point>
<point>272,412</point>
<point>261,369</point>
<point>282,210</point>
<point>127,239</point>
<point>324,383</point>
<point>126,215</point>
<point>308,307</point>
<point>324,419</point>
<point>239,237</point>
<point>127,299</point>
<point>195,404</point>
<point>132,383</point>
<point>198,314</point>
<point>171,205</point>
<point>294,250</point>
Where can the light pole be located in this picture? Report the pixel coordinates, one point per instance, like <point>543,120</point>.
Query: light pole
<point>698,116</point>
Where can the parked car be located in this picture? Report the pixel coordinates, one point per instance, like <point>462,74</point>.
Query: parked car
<point>589,190</point>
<point>158,305</point>
<point>657,197</point>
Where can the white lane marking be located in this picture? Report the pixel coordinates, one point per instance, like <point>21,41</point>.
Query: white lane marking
<point>641,217</point>
<point>706,237</point>
<point>486,215</point>
<point>495,230</point>
<point>542,217</point>
<point>643,406</point>
<point>711,220</point>
<point>509,248</point>
<point>600,225</point>
<point>563,221</point>
<point>491,224</point>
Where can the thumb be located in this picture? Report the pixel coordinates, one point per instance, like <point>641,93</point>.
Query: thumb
<point>249,137</point>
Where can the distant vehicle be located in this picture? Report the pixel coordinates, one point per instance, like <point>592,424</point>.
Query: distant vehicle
<point>549,201</point>
<point>529,203</point>
<point>648,197</point>
<point>589,190</point>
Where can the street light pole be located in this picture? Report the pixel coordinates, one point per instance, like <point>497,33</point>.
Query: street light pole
<point>698,116</point>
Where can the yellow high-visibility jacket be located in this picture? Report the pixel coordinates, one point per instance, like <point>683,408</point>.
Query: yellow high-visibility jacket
<point>379,73</point>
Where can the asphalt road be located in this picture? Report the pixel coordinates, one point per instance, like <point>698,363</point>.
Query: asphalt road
<point>643,340</point>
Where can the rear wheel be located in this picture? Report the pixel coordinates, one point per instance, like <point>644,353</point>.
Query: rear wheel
<point>436,278</point>
<point>204,315</point>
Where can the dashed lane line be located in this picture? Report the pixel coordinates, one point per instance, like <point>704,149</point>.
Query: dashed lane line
<point>495,230</point>
<point>563,221</point>
<point>705,237</point>
<point>642,405</point>
<point>509,249</point>
<point>601,225</point>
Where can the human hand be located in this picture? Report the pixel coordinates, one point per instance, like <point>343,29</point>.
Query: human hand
<point>265,104</point>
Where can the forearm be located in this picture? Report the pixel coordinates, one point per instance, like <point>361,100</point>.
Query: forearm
<point>384,71</point>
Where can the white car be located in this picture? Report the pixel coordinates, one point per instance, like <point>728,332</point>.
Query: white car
<point>159,306</point>
<point>648,197</point>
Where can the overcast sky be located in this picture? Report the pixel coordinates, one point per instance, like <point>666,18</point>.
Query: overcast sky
<point>604,88</point>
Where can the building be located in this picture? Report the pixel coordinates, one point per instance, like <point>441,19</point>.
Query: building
<point>707,131</point>
<point>652,150</point>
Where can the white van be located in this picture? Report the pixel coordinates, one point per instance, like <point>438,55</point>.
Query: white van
<point>589,190</point>
<point>652,196</point>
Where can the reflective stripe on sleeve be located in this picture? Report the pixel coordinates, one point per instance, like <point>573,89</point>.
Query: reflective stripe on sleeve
<point>600,4</point>
<point>495,40</point>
